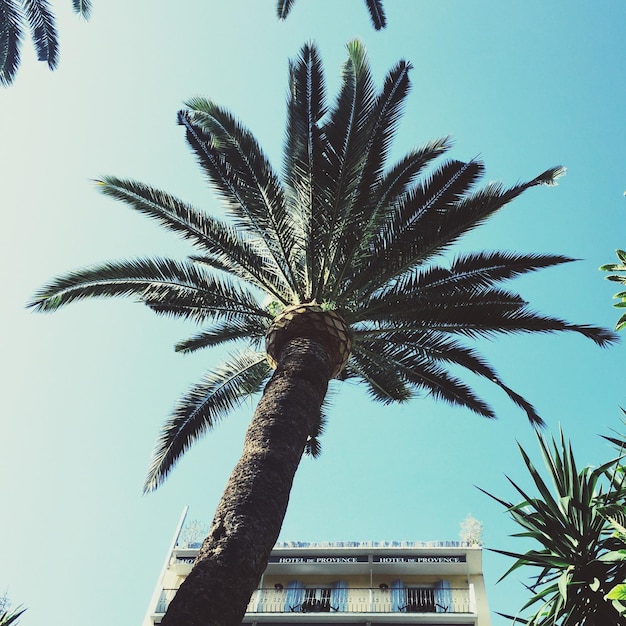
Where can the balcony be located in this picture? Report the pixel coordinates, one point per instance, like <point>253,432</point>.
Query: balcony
<point>277,601</point>
<point>363,600</point>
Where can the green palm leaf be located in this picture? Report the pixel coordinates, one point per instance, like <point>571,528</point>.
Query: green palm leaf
<point>375,8</point>
<point>202,407</point>
<point>167,286</point>
<point>82,7</point>
<point>250,329</point>
<point>223,248</point>
<point>14,15</point>
<point>10,39</point>
<point>234,162</point>
<point>303,163</point>
<point>43,30</point>
<point>619,278</point>
<point>283,7</point>
<point>347,133</point>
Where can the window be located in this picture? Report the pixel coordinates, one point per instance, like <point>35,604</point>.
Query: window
<point>420,600</point>
<point>316,600</point>
<point>319,599</point>
<point>435,598</point>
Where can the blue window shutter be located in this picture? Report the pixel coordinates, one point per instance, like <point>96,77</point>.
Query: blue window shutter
<point>339,596</point>
<point>398,596</point>
<point>295,596</point>
<point>443,597</point>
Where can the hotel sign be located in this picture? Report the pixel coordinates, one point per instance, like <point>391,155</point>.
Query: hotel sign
<point>317,559</point>
<point>308,559</point>
<point>420,559</point>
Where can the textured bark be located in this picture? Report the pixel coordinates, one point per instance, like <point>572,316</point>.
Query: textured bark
<point>251,512</point>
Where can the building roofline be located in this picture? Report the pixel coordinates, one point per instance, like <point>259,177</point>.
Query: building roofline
<point>374,544</point>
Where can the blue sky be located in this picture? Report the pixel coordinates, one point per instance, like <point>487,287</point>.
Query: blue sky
<point>524,85</point>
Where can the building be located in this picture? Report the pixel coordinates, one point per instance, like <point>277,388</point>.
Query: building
<point>362,583</point>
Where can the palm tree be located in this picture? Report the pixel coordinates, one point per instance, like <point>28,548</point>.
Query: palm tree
<point>579,559</point>
<point>14,15</point>
<point>334,266</point>
<point>618,278</point>
<point>375,7</point>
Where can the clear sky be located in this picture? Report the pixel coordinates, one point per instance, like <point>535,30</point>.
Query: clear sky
<point>525,85</point>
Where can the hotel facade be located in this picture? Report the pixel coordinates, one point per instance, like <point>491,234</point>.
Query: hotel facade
<point>362,583</point>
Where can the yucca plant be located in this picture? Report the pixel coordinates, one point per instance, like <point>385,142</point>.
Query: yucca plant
<point>375,8</point>
<point>618,278</point>
<point>616,515</point>
<point>578,555</point>
<point>336,269</point>
<point>8,617</point>
<point>37,14</point>
<point>617,518</point>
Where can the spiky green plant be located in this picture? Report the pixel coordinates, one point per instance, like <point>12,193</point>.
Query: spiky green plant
<point>618,278</point>
<point>616,515</point>
<point>8,617</point>
<point>577,555</point>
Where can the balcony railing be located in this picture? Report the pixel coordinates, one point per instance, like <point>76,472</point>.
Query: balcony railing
<point>358,600</point>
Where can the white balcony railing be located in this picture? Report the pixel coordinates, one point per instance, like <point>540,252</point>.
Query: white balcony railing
<point>363,600</point>
<point>359,600</point>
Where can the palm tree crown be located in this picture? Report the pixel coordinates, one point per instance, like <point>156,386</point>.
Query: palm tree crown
<point>14,15</point>
<point>341,235</point>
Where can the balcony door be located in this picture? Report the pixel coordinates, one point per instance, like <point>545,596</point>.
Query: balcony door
<point>316,600</point>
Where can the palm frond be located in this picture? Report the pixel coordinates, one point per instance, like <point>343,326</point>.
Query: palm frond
<point>347,136</point>
<point>488,268</point>
<point>313,447</point>
<point>202,407</point>
<point>437,213</point>
<point>375,8</point>
<point>362,212</point>
<point>384,383</point>
<point>235,163</point>
<point>303,162</point>
<point>165,285</point>
<point>283,7</point>
<point>441,385</point>
<point>420,226</point>
<point>481,313</point>
<point>382,360</point>
<point>251,329</point>
<point>472,273</point>
<point>82,7</point>
<point>43,30</point>
<point>435,347</point>
<point>392,187</point>
<point>11,22</point>
<point>222,245</point>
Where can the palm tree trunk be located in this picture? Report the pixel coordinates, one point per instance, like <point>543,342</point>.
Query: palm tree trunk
<point>251,512</point>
